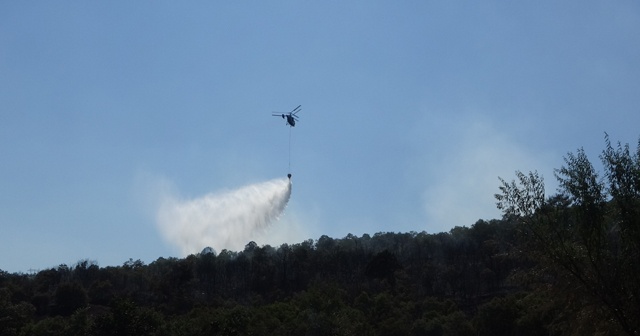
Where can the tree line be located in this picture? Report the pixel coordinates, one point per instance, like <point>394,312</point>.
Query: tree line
<point>565,264</point>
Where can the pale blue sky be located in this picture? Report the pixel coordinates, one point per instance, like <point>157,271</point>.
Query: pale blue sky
<point>410,112</point>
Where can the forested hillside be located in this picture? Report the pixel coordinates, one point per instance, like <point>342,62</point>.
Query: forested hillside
<point>565,264</point>
<point>406,283</point>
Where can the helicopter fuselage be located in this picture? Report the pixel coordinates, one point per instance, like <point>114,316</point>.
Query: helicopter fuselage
<point>290,120</point>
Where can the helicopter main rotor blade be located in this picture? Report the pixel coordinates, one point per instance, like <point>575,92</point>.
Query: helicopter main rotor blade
<point>294,110</point>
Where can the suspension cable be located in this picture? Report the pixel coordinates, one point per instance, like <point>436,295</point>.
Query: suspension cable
<point>290,149</point>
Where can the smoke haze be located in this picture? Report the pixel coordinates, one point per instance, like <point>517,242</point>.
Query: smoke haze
<point>226,220</point>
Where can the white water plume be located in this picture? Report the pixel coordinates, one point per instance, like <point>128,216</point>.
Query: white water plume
<point>226,220</point>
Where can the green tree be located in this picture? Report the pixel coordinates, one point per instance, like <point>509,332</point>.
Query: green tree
<point>125,318</point>
<point>69,297</point>
<point>13,316</point>
<point>586,236</point>
<point>383,266</point>
<point>497,317</point>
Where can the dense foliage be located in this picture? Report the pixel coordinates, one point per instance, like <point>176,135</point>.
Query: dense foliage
<point>388,283</point>
<point>586,238</point>
<point>563,265</point>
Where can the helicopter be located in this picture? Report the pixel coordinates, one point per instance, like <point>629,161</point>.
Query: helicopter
<point>291,116</point>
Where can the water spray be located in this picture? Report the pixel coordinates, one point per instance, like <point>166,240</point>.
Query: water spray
<point>227,220</point>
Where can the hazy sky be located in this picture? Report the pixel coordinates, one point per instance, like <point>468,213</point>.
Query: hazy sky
<point>410,112</point>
